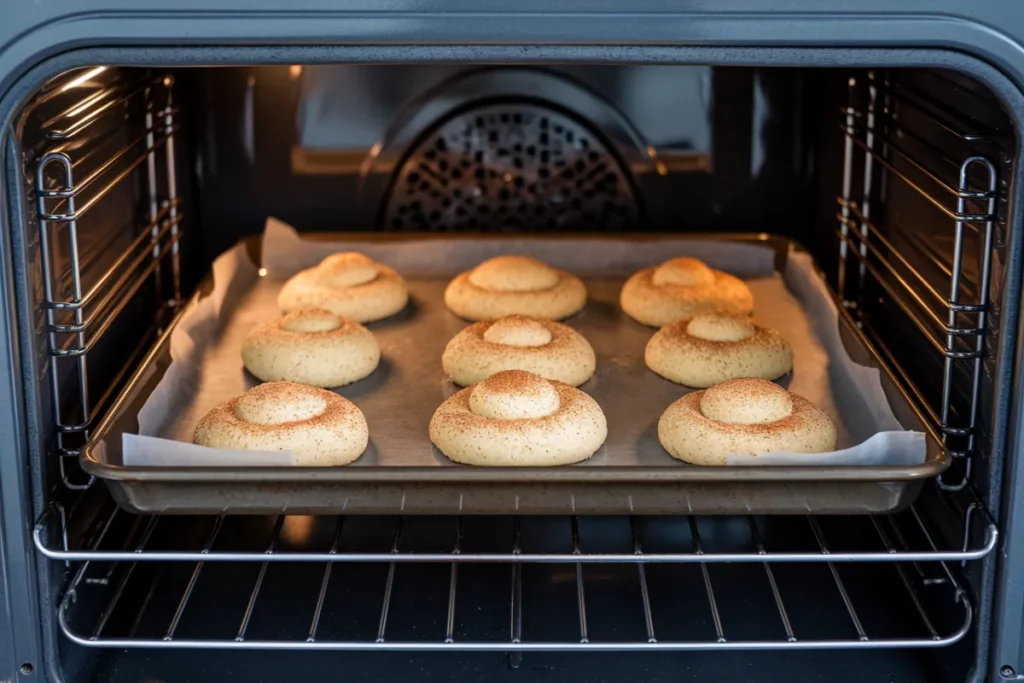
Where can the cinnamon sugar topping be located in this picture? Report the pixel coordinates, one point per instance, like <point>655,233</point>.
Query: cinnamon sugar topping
<point>311,320</point>
<point>514,394</point>
<point>518,330</point>
<point>720,328</point>
<point>277,403</point>
<point>347,269</point>
<point>746,401</point>
<point>684,271</point>
<point>514,274</point>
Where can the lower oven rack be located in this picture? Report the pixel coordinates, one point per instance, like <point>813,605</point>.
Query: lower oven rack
<point>899,537</point>
<point>672,583</point>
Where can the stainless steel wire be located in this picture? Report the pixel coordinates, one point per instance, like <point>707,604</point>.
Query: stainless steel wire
<point>76,321</point>
<point>955,327</point>
<point>927,634</point>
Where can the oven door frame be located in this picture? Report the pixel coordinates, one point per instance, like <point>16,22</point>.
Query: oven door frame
<point>44,49</point>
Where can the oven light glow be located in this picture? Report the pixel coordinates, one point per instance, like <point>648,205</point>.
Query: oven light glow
<point>262,272</point>
<point>84,78</point>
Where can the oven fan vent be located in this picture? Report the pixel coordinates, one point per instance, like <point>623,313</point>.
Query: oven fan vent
<point>514,167</point>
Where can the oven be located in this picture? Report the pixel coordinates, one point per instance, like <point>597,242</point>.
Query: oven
<point>140,143</point>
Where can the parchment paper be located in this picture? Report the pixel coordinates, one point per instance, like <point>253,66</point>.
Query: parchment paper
<point>399,398</point>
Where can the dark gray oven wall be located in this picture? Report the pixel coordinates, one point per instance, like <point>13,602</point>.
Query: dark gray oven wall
<point>31,33</point>
<point>697,148</point>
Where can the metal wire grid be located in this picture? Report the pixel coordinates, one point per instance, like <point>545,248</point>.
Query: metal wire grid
<point>95,611</point>
<point>953,326</point>
<point>915,541</point>
<point>75,324</point>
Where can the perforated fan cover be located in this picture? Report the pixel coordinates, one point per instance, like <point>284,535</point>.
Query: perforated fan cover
<point>510,167</point>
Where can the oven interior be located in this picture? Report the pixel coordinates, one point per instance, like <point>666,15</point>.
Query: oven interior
<point>133,180</point>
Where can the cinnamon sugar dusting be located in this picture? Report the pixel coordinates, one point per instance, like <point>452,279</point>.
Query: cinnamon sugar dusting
<point>350,285</point>
<point>311,320</point>
<point>683,270</point>
<point>722,328</point>
<point>710,349</point>
<point>682,289</point>
<point>485,348</point>
<point>320,427</point>
<point>347,269</point>
<point>513,394</point>
<point>518,330</point>
<point>571,432</point>
<point>277,403</point>
<point>514,274</point>
<point>746,401</point>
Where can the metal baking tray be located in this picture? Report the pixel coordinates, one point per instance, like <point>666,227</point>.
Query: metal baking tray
<point>632,474</point>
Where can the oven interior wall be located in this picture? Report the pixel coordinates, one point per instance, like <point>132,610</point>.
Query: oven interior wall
<point>703,149</point>
<point>373,148</point>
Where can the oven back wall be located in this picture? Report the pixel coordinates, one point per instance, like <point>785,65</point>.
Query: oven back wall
<point>401,147</point>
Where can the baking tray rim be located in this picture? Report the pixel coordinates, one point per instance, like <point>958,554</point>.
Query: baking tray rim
<point>938,459</point>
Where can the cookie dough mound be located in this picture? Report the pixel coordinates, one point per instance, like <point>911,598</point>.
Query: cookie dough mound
<point>743,417</point>
<point>517,342</point>
<point>508,285</point>
<point>680,289</point>
<point>348,284</point>
<point>311,346</point>
<point>710,349</point>
<point>516,418</point>
<point>319,427</point>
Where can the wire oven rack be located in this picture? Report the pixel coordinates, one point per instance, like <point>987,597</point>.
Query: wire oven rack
<point>88,157</point>
<point>344,583</point>
<point>951,321</point>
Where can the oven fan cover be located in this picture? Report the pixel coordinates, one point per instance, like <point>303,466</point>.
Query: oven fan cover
<point>511,166</point>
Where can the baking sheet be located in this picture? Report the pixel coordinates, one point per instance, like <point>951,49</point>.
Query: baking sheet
<point>400,397</point>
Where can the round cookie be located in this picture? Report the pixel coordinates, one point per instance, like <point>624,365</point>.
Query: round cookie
<point>516,418</point>
<point>743,417</point>
<point>318,426</point>
<point>710,349</point>
<point>311,346</point>
<point>348,284</point>
<point>682,288</point>
<point>509,285</point>
<point>517,342</point>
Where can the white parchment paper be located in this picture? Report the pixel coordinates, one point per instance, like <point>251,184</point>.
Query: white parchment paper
<point>399,398</point>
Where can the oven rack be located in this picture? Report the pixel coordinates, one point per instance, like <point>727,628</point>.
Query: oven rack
<point>118,536</point>
<point>525,600</point>
<point>951,321</point>
<point>86,158</point>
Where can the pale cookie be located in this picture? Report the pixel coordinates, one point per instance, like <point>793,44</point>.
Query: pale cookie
<point>680,289</point>
<point>516,342</point>
<point>318,426</point>
<point>508,285</point>
<point>516,418</point>
<point>311,346</point>
<point>743,417</point>
<point>348,284</point>
<point>710,349</point>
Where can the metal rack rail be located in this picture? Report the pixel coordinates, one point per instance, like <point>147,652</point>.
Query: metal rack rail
<point>78,315</point>
<point>133,603</point>
<point>901,537</point>
<point>951,321</point>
